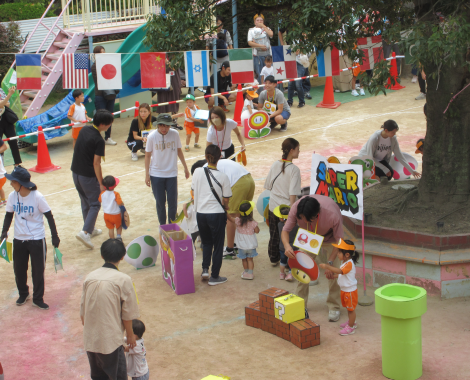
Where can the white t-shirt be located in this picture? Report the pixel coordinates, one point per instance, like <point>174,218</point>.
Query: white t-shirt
<point>136,363</point>
<point>78,113</point>
<point>164,149</point>
<point>222,138</point>
<point>247,103</point>
<point>29,210</point>
<point>110,200</point>
<point>282,187</point>
<point>232,170</point>
<point>259,36</point>
<point>347,282</point>
<point>267,71</point>
<point>204,200</point>
<point>385,146</point>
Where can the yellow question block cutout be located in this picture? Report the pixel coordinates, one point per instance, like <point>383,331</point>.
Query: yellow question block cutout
<point>290,308</point>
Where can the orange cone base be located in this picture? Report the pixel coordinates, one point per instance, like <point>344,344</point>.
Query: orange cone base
<point>329,105</point>
<point>47,169</point>
<point>395,87</point>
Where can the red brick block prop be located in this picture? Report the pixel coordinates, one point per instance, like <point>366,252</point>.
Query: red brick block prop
<point>260,314</point>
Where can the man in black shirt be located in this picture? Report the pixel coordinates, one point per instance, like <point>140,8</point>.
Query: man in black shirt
<point>224,83</point>
<point>86,172</point>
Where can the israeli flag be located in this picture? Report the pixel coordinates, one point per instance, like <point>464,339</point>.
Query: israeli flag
<point>197,68</point>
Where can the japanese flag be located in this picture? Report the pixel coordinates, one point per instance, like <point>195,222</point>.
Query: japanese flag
<point>108,71</point>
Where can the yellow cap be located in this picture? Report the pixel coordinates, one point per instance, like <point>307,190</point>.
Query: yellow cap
<point>249,211</point>
<point>277,211</point>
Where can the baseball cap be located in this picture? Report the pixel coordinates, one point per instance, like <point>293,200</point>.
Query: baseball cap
<point>225,64</point>
<point>189,97</point>
<point>164,118</point>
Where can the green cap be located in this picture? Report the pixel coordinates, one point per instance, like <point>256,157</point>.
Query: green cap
<point>189,97</point>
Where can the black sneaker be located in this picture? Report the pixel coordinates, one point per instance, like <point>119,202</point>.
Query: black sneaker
<point>301,105</point>
<point>22,300</point>
<point>217,281</point>
<point>205,274</point>
<point>308,96</point>
<point>273,125</point>
<point>41,305</point>
<point>284,127</point>
<point>229,254</point>
<point>306,314</point>
<point>290,104</point>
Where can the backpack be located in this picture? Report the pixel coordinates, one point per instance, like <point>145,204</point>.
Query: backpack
<point>222,46</point>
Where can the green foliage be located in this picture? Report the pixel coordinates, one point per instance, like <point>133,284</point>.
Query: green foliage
<point>22,11</point>
<point>11,42</point>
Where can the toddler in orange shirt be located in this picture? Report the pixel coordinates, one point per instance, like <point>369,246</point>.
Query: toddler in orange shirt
<point>346,275</point>
<point>111,200</point>
<point>190,120</point>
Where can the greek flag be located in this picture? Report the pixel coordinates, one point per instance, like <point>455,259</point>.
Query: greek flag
<point>197,68</point>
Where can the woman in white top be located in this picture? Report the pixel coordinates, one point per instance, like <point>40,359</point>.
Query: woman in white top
<point>283,181</point>
<point>219,132</point>
<point>212,193</point>
<point>258,39</point>
<point>381,145</point>
<point>28,206</point>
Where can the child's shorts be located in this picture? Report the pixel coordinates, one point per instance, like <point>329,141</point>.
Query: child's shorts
<point>3,180</point>
<point>246,253</point>
<point>349,300</point>
<point>75,132</point>
<point>112,221</point>
<point>191,129</point>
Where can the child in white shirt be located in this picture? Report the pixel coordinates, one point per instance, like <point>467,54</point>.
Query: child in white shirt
<point>346,275</point>
<point>268,69</point>
<point>248,104</point>
<point>111,200</point>
<point>137,366</point>
<point>77,112</point>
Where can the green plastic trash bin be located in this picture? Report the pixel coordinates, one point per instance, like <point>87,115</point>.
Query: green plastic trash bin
<point>401,307</point>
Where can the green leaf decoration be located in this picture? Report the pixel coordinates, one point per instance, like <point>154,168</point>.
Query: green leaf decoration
<point>253,134</point>
<point>264,132</point>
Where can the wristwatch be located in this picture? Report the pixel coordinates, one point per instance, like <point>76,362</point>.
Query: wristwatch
<point>330,262</point>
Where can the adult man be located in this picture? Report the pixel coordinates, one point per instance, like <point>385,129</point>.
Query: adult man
<point>273,95</point>
<point>220,29</point>
<point>161,166</point>
<point>224,83</point>
<point>243,189</point>
<point>107,308</point>
<point>321,215</point>
<point>86,172</point>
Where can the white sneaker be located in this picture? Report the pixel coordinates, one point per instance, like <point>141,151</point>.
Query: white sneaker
<point>142,151</point>
<point>134,156</point>
<point>354,93</point>
<point>414,79</point>
<point>85,239</point>
<point>110,141</point>
<point>333,315</point>
<point>361,92</point>
<point>421,96</point>
<point>96,232</point>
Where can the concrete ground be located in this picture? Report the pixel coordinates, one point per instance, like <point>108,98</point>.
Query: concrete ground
<point>192,336</point>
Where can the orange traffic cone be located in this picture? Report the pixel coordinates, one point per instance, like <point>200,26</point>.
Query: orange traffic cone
<point>238,107</point>
<point>136,111</point>
<point>44,160</point>
<point>394,75</point>
<point>329,96</point>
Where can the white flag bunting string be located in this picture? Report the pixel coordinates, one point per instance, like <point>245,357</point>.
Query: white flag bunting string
<point>180,101</point>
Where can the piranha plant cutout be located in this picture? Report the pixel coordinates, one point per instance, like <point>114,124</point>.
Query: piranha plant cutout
<point>256,125</point>
<point>303,267</point>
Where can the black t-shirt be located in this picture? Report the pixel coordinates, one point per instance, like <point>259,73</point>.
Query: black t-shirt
<point>135,128</point>
<point>89,143</point>
<point>222,83</point>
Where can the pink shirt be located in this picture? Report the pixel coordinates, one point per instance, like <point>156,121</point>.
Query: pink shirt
<point>248,228</point>
<point>330,222</point>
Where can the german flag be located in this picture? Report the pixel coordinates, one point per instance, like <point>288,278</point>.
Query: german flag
<point>28,71</point>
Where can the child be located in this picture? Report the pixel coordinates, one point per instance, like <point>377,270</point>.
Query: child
<point>419,148</point>
<point>282,212</point>
<point>356,72</point>
<point>189,121</point>
<point>268,69</point>
<point>248,104</point>
<point>346,276</point>
<point>3,180</point>
<point>137,366</point>
<point>111,200</point>
<point>245,238</point>
<point>77,112</point>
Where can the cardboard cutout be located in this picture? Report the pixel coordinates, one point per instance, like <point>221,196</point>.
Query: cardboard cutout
<point>303,267</point>
<point>368,166</point>
<point>255,125</point>
<point>399,171</point>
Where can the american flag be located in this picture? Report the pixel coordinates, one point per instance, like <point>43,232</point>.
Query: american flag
<point>75,71</point>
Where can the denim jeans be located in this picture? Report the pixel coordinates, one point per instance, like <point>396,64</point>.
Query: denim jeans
<point>306,82</point>
<point>212,230</point>
<point>105,104</point>
<point>296,85</point>
<point>258,63</point>
<point>165,189</point>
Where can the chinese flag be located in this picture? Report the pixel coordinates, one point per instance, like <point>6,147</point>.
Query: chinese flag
<point>153,70</point>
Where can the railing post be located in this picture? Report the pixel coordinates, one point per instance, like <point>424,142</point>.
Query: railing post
<point>86,15</point>
<point>146,7</point>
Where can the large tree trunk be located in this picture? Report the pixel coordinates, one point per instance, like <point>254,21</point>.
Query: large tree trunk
<point>446,158</point>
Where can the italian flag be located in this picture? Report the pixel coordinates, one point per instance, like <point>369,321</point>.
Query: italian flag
<point>241,65</point>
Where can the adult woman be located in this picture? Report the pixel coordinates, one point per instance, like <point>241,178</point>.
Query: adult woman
<point>143,122</point>
<point>7,123</point>
<point>283,181</point>
<point>173,93</point>
<point>381,145</point>
<point>212,193</point>
<point>258,39</point>
<point>219,132</point>
<point>28,206</point>
<point>102,102</point>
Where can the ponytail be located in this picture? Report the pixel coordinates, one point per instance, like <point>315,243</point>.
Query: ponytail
<point>287,145</point>
<point>354,255</point>
<point>390,125</point>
